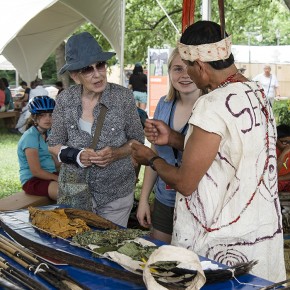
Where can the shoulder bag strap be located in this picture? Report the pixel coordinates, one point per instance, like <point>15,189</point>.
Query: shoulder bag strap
<point>100,122</point>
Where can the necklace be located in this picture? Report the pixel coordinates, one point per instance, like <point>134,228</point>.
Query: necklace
<point>230,79</point>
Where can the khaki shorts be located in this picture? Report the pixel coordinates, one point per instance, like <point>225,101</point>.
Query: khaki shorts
<point>117,211</point>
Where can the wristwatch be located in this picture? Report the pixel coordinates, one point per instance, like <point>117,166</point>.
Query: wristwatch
<point>151,161</point>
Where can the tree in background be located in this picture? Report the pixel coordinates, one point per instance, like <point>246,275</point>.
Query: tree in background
<point>148,26</point>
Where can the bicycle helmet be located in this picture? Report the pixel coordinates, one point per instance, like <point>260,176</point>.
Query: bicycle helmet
<point>41,104</point>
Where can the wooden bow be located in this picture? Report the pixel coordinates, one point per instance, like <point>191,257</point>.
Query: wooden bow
<point>222,18</point>
<point>188,9</point>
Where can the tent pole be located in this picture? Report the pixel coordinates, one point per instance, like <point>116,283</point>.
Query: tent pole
<point>206,9</point>
<point>122,42</point>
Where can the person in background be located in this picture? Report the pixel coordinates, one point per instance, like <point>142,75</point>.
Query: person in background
<point>8,97</point>
<point>227,205</point>
<point>22,101</point>
<point>59,86</point>
<point>38,169</point>
<point>283,157</point>
<point>138,83</point>
<point>37,89</point>
<point>26,89</point>
<point>269,83</point>
<point>175,110</point>
<point>2,96</point>
<point>107,169</point>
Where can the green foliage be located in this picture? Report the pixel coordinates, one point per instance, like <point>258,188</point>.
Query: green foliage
<point>281,112</point>
<point>139,186</point>
<point>9,168</point>
<point>48,70</point>
<point>254,16</point>
<point>9,75</point>
<point>147,26</point>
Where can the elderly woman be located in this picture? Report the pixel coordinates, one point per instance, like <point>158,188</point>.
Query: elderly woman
<point>106,169</point>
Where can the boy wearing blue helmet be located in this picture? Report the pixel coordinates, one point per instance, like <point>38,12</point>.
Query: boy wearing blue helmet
<point>38,169</point>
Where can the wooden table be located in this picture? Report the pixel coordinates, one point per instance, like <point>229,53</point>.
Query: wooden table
<point>10,118</point>
<point>18,220</point>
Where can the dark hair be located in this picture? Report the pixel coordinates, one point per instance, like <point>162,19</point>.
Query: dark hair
<point>204,32</point>
<point>59,84</point>
<point>23,83</point>
<point>38,82</point>
<point>138,70</point>
<point>283,131</point>
<point>30,122</point>
<point>2,85</point>
<point>5,81</point>
<point>33,84</point>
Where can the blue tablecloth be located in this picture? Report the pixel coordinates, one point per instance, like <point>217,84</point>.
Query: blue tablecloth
<point>92,280</point>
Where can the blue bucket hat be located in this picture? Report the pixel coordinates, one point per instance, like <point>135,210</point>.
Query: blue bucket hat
<point>82,50</point>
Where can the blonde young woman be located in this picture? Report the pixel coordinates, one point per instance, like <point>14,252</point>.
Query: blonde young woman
<point>175,110</point>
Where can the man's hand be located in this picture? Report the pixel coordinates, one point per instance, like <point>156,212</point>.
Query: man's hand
<point>157,132</point>
<point>141,153</point>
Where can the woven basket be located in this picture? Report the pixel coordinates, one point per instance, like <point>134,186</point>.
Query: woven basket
<point>287,254</point>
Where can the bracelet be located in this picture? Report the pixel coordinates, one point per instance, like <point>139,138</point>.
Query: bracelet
<point>151,161</point>
<point>69,155</point>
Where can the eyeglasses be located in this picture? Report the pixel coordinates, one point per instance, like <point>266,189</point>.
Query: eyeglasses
<point>89,70</point>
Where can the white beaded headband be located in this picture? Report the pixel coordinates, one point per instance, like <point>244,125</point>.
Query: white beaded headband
<point>206,52</point>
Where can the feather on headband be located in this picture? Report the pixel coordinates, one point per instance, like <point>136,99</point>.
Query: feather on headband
<point>206,52</point>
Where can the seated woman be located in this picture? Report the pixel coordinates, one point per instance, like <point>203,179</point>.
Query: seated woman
<point>8,97</point>
<point>23,96</point>
<point>38,169</point>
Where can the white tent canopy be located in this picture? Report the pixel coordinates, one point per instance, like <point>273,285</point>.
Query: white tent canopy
<point>5,64</point>
<point>32,29</point>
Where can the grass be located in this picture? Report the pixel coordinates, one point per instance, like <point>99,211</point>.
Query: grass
<point>9,168</point>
